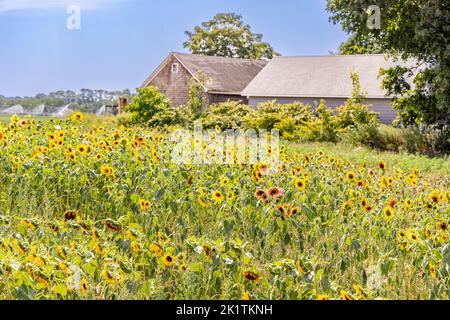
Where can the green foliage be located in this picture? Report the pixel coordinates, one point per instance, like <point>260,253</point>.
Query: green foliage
<point>270,115</point>
<point>323,127</point>
<point>226,35</point>
<point>152,107</point>
<point>198,98</point>
<point>227,115</point>
<point>411,29</point>
<point>361,45</point>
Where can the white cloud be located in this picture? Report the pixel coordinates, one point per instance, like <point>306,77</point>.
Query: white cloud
<point>10,5</point>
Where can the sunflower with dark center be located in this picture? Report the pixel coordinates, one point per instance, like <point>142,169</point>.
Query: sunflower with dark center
<point>275,192</point>
<point>112,225</point>
<point>259,193</point>
<point>70,215</point>
<point>207,250</point>
<point>283,209</point>
<point>388,213</point>
<point>218,196</point>
<point>300,184</point>
<point>413,236</point>
<point>442,226</point>
<point>435,197</point>
<point>293,211</point>
<point>350,176</point>
<point>106,171</point>
<point>251,276</point>
<point>168,260</point>
<point>144,204</point>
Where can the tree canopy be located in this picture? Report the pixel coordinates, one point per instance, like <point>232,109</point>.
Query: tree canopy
<point>417,29</point>
<point>226,35</point>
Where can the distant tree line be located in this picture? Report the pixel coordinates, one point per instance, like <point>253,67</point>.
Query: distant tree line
<point>87,100</point>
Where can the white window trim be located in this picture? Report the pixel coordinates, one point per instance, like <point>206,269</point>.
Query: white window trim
<point>175,67</point>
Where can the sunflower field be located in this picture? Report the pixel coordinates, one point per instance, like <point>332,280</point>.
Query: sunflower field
<point>103,213</point>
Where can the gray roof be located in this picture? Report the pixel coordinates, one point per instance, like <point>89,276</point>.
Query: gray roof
<point>320,76</point>
<point>225,75</point>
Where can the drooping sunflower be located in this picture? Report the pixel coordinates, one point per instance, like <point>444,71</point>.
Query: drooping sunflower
<point>382,165</point>
<point>156,249</point>
<point>293,211</point>
<point>346,207</point>
<point>78,116</point>
<point>112,225</point>
<point>201,202</point>
<point>433,271</point>
<point>168,260</point>
<point>251,276</point>
<point>359,292</point>
<point>84,287</point>
<point>189,181</point>
<point>346,296</point>
<point>135,246</point>
<point>70,215</point>
<point>207,251</point>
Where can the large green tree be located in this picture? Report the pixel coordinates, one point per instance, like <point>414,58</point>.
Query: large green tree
<point>226,35</point>
<point>418,29</point>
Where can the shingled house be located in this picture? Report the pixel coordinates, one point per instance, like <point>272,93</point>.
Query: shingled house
<point>226,77</point>
<point>311,79</point>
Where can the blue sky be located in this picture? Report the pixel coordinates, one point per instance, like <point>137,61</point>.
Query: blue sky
<point>122,41</point>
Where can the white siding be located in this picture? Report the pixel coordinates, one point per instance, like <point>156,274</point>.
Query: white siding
<point>382,106</point>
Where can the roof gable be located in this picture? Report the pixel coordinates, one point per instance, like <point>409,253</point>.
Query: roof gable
<point>320,76</point>
<point>225,75</point>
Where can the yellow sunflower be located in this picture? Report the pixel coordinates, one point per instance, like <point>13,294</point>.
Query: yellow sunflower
<point>351,176</point>
<point>107,171</point>
<point>300,184</point>
<point>168,260</point>
<point>388,213</point>
<point>77,117</point>
<point>218,197</point>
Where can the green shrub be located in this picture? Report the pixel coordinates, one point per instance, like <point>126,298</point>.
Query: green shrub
<point>271,115</point>
<point>322,127</point>
<point>150,106</point>
<point>226,115</point>
<point>355,113</point>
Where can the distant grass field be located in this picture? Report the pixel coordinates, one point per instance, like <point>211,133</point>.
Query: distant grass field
<point>355,154</point>
<point>5,118</point>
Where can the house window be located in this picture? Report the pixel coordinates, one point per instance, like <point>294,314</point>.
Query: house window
<point>175,68</point>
